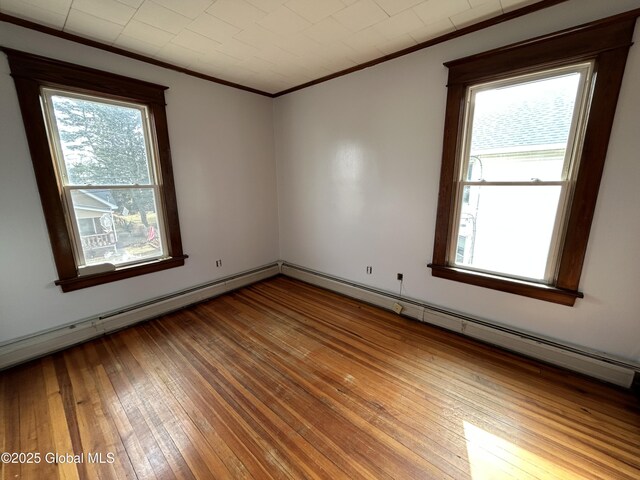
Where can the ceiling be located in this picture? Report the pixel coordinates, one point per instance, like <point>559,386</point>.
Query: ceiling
<point>269,45</point>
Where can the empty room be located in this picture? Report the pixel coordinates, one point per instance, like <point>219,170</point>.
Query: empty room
<point>287,239</point>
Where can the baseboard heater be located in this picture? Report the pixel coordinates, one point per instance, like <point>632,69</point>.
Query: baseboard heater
<point>43,343</point>
<point>578,359</point>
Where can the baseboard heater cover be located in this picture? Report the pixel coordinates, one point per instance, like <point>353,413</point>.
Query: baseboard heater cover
<point>43,343</point>
<point>591,363</point>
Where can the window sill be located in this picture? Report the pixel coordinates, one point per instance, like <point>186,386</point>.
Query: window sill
<point>547,293</point>
<point>85,281</point>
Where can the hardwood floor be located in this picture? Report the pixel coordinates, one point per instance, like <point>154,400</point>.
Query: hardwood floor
<point>283,380</point>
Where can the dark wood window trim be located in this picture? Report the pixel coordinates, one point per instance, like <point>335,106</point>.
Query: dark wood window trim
<point>606,42</point>
<point>30,73</point>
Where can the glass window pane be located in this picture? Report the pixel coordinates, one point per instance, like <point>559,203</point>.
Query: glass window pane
<point>101,143</point>
<point>520,132</point>
<point>507,229</point>
<point>126,226</point>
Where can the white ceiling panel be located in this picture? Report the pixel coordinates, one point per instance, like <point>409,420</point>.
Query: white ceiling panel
<point>474,15</point>
<point>214,28</point>
<point>188,8</point>
<point>314,11</point>
<point>95,28</point>
<point>361,14</point>
<point>161,17</point>
<point>368,37</point>
<point>267,5</point>
<point>433,11</point>
<point>398,43</point>
<point>433,30</point>
<point>328,29</point>
<point>177,55</point>
<point>136,45</point>
<point>399,24</point>
<point>196,42</point>
<point>509,5</point>
<point>132,3</point>
<point>147,33</point>
<point>269,45</point>
<point>29,11</point>
<point>237,49</point>
<point>55,6</point>
<point>236,12</point>
<point>110,10</point>
<point>393,7</point>
<point>284,21</point>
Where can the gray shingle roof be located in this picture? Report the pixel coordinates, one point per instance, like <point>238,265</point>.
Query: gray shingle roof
<point>529,122</point>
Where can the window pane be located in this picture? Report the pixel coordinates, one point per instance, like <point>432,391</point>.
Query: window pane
<point>125,226</point>
<point>520,132</point>
<point>102,143</point>
<point>507,229</point>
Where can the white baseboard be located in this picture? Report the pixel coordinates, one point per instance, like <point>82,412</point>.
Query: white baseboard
<point>35,346</point>
<point>574,358</point>
<point>594,364</point>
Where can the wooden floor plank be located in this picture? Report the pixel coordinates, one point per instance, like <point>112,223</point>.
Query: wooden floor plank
<point>224,414</point>
<point>96,428</point>
<point>61,441</point>
<point>30,430</point>
<point>136,397</point>
<point>3,421</point>
<point>282,380</point>
<point>219,460</point>
<point>216,421</point>
<point>11,421</point>
<point>163,416</point>
<point>132,447</point>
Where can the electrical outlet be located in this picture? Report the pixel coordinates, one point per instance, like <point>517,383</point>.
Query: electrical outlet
<point>219,263</point>
<point>397,308</point>
<point>369,270</point>
<point>400,276</point>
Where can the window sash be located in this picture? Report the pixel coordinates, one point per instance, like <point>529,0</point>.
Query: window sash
<point>53,132</point>
<point>74,227</point>
<point>554,244</point>
<point>66,188</point>
<point>569,170</point>
<point>584,69</point>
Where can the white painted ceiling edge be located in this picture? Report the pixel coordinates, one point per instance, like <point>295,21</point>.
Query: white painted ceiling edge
<point>269,45</point>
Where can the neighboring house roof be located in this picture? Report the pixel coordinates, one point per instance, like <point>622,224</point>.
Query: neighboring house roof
<point>518,124</point>
<point>92,201</point>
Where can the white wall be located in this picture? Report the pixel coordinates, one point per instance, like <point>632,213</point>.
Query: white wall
<point>358,167</point>
<point>222,149</point>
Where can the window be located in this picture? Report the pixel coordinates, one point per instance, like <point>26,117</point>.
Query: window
<point>515,169</point>
<point>526,134</point>
<point>105,158</point>
<point>100,150</point>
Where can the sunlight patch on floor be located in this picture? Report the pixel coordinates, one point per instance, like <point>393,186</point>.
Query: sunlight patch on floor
<point>492,457</point>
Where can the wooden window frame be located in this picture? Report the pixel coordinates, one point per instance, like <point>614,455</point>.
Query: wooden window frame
<point>606,43</point>
<point>32,72</point>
